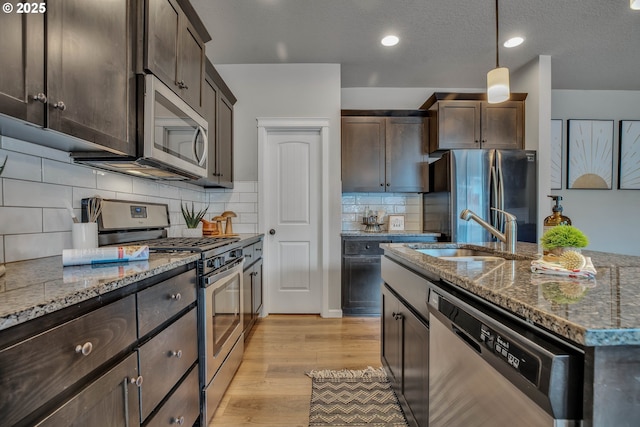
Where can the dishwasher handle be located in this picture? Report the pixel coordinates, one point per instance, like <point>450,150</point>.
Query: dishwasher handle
<point>466,338</point>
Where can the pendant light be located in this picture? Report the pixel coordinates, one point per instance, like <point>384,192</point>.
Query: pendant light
<point>498,78</point>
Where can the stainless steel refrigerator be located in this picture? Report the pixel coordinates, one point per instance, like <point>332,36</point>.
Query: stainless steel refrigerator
<point>478,180</point>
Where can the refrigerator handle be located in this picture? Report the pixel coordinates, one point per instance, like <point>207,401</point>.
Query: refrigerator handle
<point>501,201</point>
<point>494,197</point>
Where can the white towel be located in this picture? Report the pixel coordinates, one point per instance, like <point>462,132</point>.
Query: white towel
<point>544,267</point>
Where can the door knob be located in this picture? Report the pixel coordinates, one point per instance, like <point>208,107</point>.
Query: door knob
<point>272,231</point>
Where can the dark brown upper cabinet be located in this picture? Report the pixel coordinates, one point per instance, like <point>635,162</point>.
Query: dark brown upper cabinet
<point>218,101</point>
<point>175,50</point>
<point>72,70</point>
<point>384,151</point>
<point>467,120</point>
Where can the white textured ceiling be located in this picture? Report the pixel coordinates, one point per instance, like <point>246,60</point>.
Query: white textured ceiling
<point>593,44</point>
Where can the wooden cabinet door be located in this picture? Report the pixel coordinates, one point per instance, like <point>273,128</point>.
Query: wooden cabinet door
<point>90,72</point>
<point>361,280</point>
<point>503,125</point>
<point>363,154</point>
<point>162,38</point>
<point>458,125</point>
<point>407,166</point>
<point>247,303</point>
<point>210,109</point>
<point>391,332</point>
<point>415,387</point>
<point>191,59</point>
<point>256,288</point>
<point>22,76</point>
<point>225,143</point>
<point>111,400</point>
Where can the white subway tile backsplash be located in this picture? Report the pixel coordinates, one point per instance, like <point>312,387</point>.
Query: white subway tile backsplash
<point>28,246</point>
<point>114,182</point>
<point>35,222</point>
<point>57,220</point>
<point>21,166</point>
<point>354,206</point>
<point>68,174</point>
<point>35,194</point>
<point>20,220</point>
<point>38,151</point>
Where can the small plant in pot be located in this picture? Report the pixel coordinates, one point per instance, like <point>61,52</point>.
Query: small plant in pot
<point>192,220</point>
<point>563,237</point>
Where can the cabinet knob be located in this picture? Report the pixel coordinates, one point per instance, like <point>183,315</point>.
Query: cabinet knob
<point>272,231</point>
<point>476,141</point>
<point>176,297</point>
<point>177,420</point>
<point>41,97</point>
<point>176,354</point>
<point>388,184</point>
<point>182,85</point>
<point>396,316</point>
<point>381,184</point>
<point>137,381</point>
<point>60,106</point>
<point>367,246</point>
<point>85,348</point>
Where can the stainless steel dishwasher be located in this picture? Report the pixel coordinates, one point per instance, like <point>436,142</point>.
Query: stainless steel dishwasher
<point>486,369</point>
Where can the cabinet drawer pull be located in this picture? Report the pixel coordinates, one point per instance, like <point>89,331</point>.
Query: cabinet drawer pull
<point>396,316</point>
<point>258,249</point>
<point>177,420</point>
<point>137,381</point>
<point>60,106</point>
<point>85,348</point>
<point>176,297</point>
<point>41,97</point>
<point>176,354</point>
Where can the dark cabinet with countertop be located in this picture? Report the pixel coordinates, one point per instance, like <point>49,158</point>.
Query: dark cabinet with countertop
<point>361,277</point>
<point>384,153</point>
<point>117,359</point>
<point>60,80</point>
<point>252,285</point>
<point>460,121</point>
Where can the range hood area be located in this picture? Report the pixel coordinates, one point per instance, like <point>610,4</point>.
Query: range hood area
<point>141,167</point>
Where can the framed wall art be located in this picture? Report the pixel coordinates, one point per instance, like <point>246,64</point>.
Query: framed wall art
<point>590,154</point>
<point>396,223</point>
<point>556,154</point>
<point>629,155</point>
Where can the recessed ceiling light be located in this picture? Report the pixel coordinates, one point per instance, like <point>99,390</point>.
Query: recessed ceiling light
<point>390,40</point>
<point>513,42</point>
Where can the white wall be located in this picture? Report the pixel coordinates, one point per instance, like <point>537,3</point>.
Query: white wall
<point>290,90</point>
<point>609,218</point>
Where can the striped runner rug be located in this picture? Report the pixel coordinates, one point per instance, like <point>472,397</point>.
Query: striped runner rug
<point>354,398</point>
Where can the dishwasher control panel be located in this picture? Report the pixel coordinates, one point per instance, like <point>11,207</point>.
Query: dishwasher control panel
<point>497,342</point>
<point>528,365</point>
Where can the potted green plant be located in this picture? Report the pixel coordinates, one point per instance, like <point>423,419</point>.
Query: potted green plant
<point>562,237</point>
<point>192,220</point>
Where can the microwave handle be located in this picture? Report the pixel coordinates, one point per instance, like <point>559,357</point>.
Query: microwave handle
<point>203,159</point>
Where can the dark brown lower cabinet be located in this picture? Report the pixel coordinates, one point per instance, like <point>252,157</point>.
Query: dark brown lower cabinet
<point>252,286</point>
<point>361,276</point>
<point>111,400</point>
<point>122,362</point>
<point>405,356</point>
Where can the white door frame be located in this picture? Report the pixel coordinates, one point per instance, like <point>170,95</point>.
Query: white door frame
<point>266,125</point>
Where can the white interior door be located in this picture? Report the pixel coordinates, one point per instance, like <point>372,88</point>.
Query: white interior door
<point>292,194</point>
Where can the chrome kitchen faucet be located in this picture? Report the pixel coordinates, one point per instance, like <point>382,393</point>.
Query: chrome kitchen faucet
<point>510,236</point>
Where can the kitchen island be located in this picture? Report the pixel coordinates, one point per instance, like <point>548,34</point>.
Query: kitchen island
<point>600,318</point>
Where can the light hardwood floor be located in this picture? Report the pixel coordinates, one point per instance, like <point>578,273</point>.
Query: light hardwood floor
<point>271,388</point>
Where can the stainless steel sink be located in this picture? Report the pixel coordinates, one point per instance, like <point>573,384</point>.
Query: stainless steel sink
<point>461,254</point>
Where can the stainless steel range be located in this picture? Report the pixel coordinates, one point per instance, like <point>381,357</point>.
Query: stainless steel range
<point>220,339</point>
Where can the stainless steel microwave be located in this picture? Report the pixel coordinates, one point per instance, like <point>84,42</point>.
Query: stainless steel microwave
<point>173,144</point>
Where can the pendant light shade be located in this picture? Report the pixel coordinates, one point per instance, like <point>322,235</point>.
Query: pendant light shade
<point>635,4</point>
<point>498,78</point>
<point>498,85</point>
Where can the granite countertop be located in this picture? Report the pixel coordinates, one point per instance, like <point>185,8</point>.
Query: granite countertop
<point>33,288</point>
<point>604,311</point>
<point>360,233</point>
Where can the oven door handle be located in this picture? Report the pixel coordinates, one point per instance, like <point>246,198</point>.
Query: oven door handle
<point>232,269</point>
